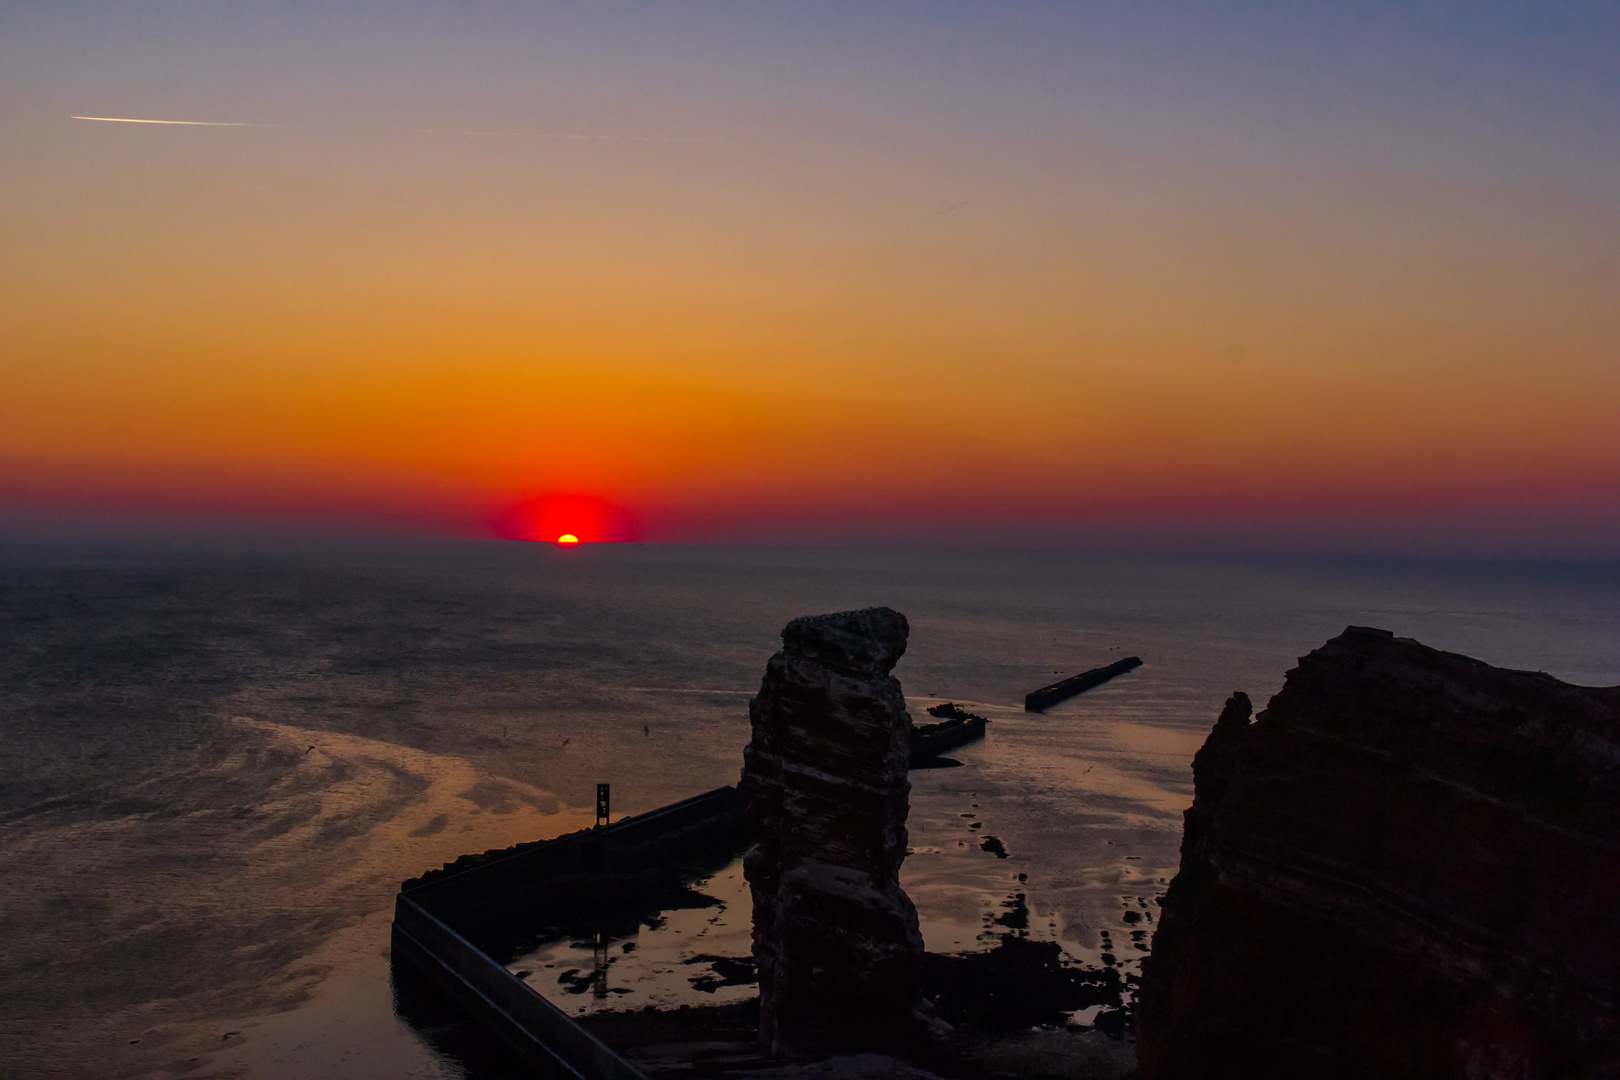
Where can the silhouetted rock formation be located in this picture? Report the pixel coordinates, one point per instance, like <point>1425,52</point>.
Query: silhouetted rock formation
<point>1408,866</point>
<point>835,938</point>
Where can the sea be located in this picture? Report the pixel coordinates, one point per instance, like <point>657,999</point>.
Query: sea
<point>219,759</point>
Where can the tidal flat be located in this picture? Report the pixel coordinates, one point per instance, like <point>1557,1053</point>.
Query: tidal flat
<point>219,762</point>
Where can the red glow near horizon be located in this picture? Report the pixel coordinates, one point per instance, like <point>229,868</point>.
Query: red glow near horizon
<point>566,520</point>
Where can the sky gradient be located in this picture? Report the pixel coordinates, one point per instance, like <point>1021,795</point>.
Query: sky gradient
<point>822,271</point>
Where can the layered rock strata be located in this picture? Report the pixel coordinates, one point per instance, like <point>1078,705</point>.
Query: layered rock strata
<point>1407,866</point>
<point>824,779</point>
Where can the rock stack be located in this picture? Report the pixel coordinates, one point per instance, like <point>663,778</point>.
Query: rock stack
<point>835,937</point>
<point>1407,866</point>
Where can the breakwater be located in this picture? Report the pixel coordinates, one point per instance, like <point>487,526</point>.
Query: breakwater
<point>440,916</point>
<point>1047,696</point>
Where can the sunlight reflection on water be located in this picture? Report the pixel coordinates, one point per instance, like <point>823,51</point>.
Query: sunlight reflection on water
<point>187,884</point>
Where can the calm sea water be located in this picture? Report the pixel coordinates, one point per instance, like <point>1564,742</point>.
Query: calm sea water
<point>217,763</point>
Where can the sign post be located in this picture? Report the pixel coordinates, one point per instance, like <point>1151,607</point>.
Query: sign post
<point>601,805</point>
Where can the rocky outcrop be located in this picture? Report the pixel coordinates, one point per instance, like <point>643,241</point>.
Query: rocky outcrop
<point>1407,866</point>
<point>836,942</point>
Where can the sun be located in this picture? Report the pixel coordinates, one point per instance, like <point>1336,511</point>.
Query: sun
<point>582,520</point>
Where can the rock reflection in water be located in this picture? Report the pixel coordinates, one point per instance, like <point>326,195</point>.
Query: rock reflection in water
<point>687,946</point>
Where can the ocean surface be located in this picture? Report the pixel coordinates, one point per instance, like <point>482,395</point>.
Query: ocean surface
<point>218,761</point>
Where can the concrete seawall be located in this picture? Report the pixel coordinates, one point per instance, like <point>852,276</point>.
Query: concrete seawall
<point>435,917</point>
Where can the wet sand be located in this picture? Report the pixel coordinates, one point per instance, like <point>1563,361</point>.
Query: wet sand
<point>248,902</point>
<point>1016,1009</point>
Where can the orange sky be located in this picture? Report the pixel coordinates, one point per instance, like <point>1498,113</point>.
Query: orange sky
<point>772,304</point>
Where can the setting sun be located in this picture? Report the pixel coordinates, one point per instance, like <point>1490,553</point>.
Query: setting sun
<point>565,519</point>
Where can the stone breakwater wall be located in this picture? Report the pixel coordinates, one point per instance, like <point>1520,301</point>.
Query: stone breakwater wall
<point>836,940</point>
<point>1406,867</point>
<point>439,916</point>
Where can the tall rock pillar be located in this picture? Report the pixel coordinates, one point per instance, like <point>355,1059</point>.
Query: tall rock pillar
<point>835,937</point>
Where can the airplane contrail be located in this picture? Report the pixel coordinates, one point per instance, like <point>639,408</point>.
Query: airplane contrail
<point>188,123</point>
<point>424,131</point>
